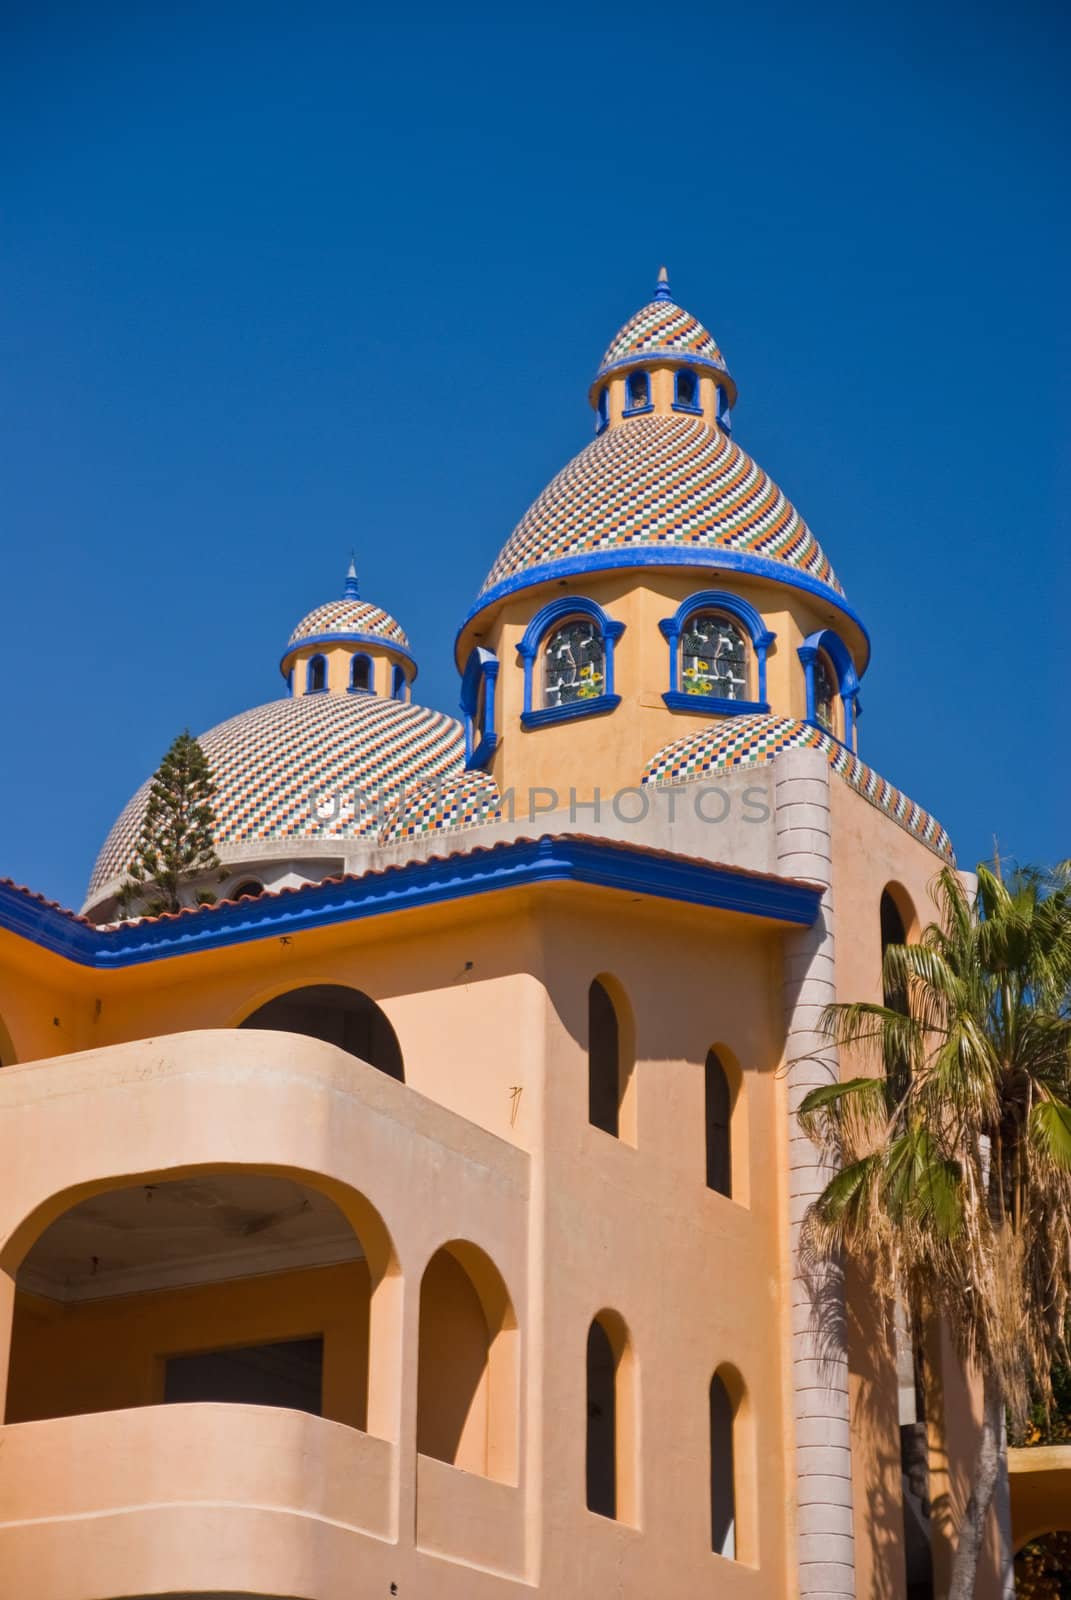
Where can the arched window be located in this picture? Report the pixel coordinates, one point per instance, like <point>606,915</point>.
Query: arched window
<point>247,890</point>
<point>574,663</point>
<point>610,1062</point>
<point>723,411</point>
<point>714,657</point>
<point>400,684</point>
<point>361,674</point>
<point>722,1470</point>
<point>467,1395</point>
<point>343,1017</point>
<point>825,692</point>
<point>610,1458</point>
<point>602,409</point>
<point>316,675</point>
<point>637,392</point>
<point>718,1110</point>
<point>686,390</point>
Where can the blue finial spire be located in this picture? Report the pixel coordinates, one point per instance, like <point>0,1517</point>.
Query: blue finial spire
<point>662,289</point>
<point>351,591</point>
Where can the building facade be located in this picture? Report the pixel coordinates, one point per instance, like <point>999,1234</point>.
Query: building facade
<point>422,1217</point>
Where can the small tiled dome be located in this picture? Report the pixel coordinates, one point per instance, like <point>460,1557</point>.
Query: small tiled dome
<point>748,741</point>
<point>314,767</point>
<point>662,328</point>
<point>430,808</point>
<point>347,618</point>
<point>662,483</point>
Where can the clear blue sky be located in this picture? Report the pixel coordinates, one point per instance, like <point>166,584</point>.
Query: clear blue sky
<point>277,281</point>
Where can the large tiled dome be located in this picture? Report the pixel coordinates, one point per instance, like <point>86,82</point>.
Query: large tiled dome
<point>313,767</point>
<point>662,484</point>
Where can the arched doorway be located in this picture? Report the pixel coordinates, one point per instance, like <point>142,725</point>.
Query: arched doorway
<point>1043,1567</point>
<point>229,1286</point>
<point>344,1017</point>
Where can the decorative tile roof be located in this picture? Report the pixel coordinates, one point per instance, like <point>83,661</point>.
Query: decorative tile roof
<point>662,482</point>
<point>315,767</point>
<point>747,741</point>
<point>662,328</point>
<point>444,807</point>
<point>349,616</point>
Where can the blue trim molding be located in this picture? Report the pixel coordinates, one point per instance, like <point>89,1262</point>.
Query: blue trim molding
<point>481,740</point>
<point>521,863</point>
<point>833,646</point>
<point>552,615</point>
<point>651,556</point>
<point>375,639</point>
<point>741,611</point>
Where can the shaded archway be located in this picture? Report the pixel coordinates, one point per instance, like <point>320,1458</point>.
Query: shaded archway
<point>467,1383</point>
<point>340,1016</point>
<point>610,1437</point>
<point>732,1487</point>
<point>230,1285</point>
<point>611,1060</point>
<point>725,1125</point>
<point>1043,1567</point>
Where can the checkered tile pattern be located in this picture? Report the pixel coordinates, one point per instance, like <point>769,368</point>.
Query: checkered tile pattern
<point>316,767</point>
<point>443,808</point>
<point>349,616</point>
<point>661,481</point>
<point>746,741</point>
<point>662,327</point>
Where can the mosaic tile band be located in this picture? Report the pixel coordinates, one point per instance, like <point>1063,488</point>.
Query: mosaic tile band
<point>751,740</point>
<point>661,481</point>
<point>356,752</point>
<point>662,326</point>
<point>443,808</point>
<point>349,616</point>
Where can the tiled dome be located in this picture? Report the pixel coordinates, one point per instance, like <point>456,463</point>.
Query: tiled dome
<point>270,764</point>
<point>748,741</point>
<point>429,808</point>
<point>346,617</point>
<point>662,483</point>
<point>662,328</point>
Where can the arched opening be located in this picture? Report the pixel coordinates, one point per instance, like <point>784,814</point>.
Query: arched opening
<point>316,675</point>
<point>249,890</point>
<point>340,1016</point>
<point>400,684</point>
<point>1043,1566</point>
<point>611,1057</point>
<point>467,1383</point>
<point>718,1113</point>
<point>637,391</point>
<point>714,657</point>
<point>732,1532</point>
<point>574,662</point>
<point>686,392</point>
<point>825,693</point>
<point>361,674</point>
<point>610,1460</point>
<point>602,409</point>
<point>233,1286</point>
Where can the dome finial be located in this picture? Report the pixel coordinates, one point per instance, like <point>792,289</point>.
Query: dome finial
<point>662,289</point>
<point>352,590</point>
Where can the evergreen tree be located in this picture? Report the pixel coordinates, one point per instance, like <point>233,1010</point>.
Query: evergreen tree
<point>176,842</point>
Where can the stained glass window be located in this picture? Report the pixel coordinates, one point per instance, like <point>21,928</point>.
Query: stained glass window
<point>574,663</point>
<point>825,692</point>
<point>713,657</point>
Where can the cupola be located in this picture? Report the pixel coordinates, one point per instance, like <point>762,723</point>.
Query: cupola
<point>349,646</point>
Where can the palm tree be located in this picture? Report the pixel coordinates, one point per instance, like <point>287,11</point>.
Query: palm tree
<point>952,1155</point>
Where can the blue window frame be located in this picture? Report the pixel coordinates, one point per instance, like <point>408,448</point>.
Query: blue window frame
<point>399,684</point>
<point>637,394</point>
<point>723,411</point>
<point>478,686</point>
<point>316,675</point>
<point>602,409</point>
<point>568,657</point>
<point>686,391</point>
<point>825,654</point>
<point>362,674</point>
<point>695,620</point>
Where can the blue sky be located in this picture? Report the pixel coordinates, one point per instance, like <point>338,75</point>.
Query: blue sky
<point>280,281</point>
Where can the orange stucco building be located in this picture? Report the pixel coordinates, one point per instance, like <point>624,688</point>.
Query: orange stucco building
<point>423,1216</point>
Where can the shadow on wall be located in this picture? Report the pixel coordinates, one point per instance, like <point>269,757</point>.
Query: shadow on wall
<point>340,1016</point>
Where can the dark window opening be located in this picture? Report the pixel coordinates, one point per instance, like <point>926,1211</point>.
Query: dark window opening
<point>825,693</point>
<point>687,389</point>
<point>639,390</point>
<point>601,1423</point>
<point>897,1067</point>
<point>722,1489</point>
<point>316,679</point>
<point>343,1017</point>
<point>361,673</point>
<point>603,410</point>
<point>604,1059</point>
<point>287,1374</point>
<point>247,891</point>
<point>718,1109</point>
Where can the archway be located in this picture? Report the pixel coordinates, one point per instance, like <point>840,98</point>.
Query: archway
<point>230,1285</point>
<point>611,1060</point>
<point>467,1385</point>
<point>610,1439</point>
<point>340,1016</point>
<point>1043,1567</point>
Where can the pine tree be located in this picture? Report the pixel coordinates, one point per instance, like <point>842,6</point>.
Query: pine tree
<point>176,842</point>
